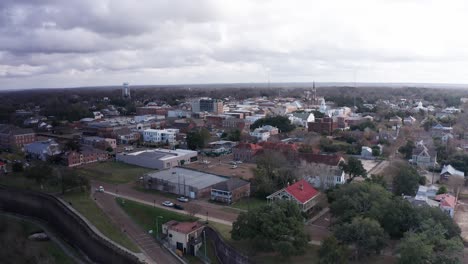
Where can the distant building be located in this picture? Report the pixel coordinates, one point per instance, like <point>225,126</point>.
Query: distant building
<point>85,156</point>
<point>366,152</point>
<point>264,132</point>
<point>158,158</point>
<point>245,151</point>
<point>42,150</point>
<point>409,120</point>
<point>230,191</point>
<point>160,135</point>
<point>11,136</point>
<point>184,236</point>
<point>207,105</point>
<point>325,125</point>
<point>99,142</point>
<point>424,157</point>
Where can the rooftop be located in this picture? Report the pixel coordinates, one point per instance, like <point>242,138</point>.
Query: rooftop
<point>302,191</point>
<point>230,185</point>
<point>184,227</point>
<point>197,179</point>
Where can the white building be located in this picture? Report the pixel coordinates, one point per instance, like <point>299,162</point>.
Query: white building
<point>158,158</point>
<point>264,132</point>
<point>184,236</point>
<point>160,135</point>
<point>366,152</point>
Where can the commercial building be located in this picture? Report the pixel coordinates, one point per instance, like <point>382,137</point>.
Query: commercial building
<point>324,125</point>
<point>85,155</point>
<point>11,136</point>
<point>230,191</point>
<point>99,142</point>
<point>160,135</point>
<point>181,181</point>
<point>158,158</point>
<point>207,105</point>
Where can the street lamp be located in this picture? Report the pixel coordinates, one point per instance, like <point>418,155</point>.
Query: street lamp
<point>204,238</point>
<point>157,226</point>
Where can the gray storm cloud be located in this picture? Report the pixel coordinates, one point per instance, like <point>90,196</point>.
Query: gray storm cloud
<point>99,42</point>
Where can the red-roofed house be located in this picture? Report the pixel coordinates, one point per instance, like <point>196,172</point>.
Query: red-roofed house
<point>245,151</point>
<point>184,236</point>
<point>302,192</point>
<point>447,203</point>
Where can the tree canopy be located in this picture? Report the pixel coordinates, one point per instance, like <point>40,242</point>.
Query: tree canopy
<point>406,181</point>
<point>198,138</point>
<point>276,227</point>
<point>353,168</point>
<point>280,122</point>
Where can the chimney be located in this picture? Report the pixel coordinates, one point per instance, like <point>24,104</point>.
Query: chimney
<point>301,186</point>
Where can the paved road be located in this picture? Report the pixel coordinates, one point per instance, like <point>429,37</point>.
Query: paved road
<point>150,248</point>
<point>216,213</point>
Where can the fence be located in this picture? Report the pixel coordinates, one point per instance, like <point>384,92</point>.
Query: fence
<point>226,254</point>
<point>65,221</point>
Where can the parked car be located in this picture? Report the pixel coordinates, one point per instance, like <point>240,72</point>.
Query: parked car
<point>183,199</point>
<point>239,162</point>
<point>168,203</point>
<point>233,162</point>
<point>233,166</point>
<point>100,189</point>
<point>178,207</point>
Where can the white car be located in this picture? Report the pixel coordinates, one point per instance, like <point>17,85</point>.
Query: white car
<point>100,189</point>
<point>168,203</point>
<point>183,199</point>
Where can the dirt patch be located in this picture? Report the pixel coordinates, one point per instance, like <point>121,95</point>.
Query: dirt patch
<point>222,166</point>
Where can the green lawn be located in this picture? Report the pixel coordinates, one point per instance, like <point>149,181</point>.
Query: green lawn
<point>252,203</point>
<point>223,230</point>
<point>145,215</point>
<point>112,172</point>
<point>17,248</point>
<point>83,204</point>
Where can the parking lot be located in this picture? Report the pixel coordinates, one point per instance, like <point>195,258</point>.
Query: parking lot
<point>222,166</point>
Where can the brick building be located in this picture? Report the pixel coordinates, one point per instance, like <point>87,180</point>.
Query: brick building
<point>245,151</point>
<point>230,191</point>
<point>11,136</point>
<point>324,125</point>
<point>85,156</point>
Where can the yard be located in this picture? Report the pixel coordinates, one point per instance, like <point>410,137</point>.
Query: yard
<point>112,172</point>
<point>251,202</point>
<point>83,204</point>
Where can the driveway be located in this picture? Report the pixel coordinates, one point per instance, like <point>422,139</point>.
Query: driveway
<point>148,245</point>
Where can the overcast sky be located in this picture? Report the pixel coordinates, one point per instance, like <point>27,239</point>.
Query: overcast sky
<point>67,43</point>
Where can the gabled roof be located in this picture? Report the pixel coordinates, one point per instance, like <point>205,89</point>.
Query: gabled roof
<point>452,171</point>
<point>446,200</point>
<point>302,191</point>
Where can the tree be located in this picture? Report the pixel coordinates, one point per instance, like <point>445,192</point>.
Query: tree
<point>406,182</point>
<point>73,145</point>
<point>364,234</point>
<point>272,173</point>
<point>407,149</point>
<point>442,190</point>
<point>414,250</point>
<point>360,199</point>
<point>39,172</point>
<point>353,168</point>
<point>17,167</point>
<point>281,122</point>
<point>399,217</point>
<point>198,138</point>
<point>377,179</point>
<point>234,135</point>
<point>271,227</point>
<point>69,179</point>
<point>375,151</point>
<point>332,252</point>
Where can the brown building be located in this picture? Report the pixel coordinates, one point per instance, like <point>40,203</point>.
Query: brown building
<point>230,191</point>
<point>245,151</point>
<point>85,156</point>
<point>152,110</point>
<point>234,123</point>
<point>11,136</point>
<point>324,125</point>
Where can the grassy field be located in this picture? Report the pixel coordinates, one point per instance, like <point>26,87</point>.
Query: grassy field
<point>83,204</point>
<point>252,203</point>
<point>146,215</point>
<point>112,172</point>
<point>17,248</point>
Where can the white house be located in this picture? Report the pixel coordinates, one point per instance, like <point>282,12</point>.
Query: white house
<point>160,135</point>
<point>264,132</point>
<point>184,236</point>
<point>366,152</point>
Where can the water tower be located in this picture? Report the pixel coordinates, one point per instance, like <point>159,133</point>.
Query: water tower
<point>126,91</point>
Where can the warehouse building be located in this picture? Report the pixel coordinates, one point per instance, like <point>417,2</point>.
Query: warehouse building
<point>181,181</point>
<point>158,158</point>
